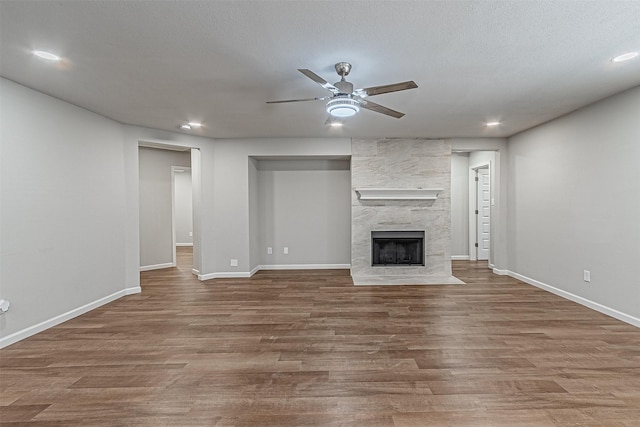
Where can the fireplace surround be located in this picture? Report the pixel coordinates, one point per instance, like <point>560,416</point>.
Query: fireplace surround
<point>401,184</point>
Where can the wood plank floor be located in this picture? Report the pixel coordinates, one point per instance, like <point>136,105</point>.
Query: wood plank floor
<point>309,349</point>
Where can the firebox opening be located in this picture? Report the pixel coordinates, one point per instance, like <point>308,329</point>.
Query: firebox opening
<point>397,248</point>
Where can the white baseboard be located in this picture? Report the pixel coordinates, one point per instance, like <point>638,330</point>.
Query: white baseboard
<point>184,244</point>
<point>304,266</point>
<point>254,270</point>
<point>157,266</point>
<point>580,300</point>
<point>194,271</point>
<point>501,272</point>
<point>247,274</point>
<point>225,275</point>
<point>32,330</point>
<point>459,257</point>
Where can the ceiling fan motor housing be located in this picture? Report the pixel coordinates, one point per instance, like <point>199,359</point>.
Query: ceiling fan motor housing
<point>344,86</point>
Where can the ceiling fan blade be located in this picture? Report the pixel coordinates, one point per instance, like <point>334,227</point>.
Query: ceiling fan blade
<point>316,78</point>
<point>395,87</point>
<point>298,100</point>
<point>380,109</point>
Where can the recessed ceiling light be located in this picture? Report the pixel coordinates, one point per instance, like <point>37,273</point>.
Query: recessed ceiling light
<point>492,123</point>
<point>43,54</point>
<point>185,127</point>
<point>625,57</point>
<point>195,124</point>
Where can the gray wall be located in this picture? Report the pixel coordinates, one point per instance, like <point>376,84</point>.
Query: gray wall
<point>254,216</point>
<point>183,207</point>
<point>480,158</point>
<point>155,203</point>
<point>196,198</point>
<point>305,206</point>
<point>63,208</point>
<point>459,205</point>
<point>574,203</point>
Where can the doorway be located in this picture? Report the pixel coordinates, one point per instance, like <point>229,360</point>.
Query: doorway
<point>482,213</point>
<point>480,208</point>
<point>160,168</point>
<point>182,213</point>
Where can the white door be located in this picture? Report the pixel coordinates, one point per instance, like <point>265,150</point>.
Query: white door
<point>483,213</point>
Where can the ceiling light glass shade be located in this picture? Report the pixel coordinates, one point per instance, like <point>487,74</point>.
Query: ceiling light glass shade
<point>342,107</point>
<point>185,127</point>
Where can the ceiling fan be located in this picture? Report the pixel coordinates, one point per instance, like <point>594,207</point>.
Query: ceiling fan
<point>345,101</point>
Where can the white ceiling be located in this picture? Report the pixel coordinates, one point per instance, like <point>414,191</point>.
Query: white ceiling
<point>159,63</point>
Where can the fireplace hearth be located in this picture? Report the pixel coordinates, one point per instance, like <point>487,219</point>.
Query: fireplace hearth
<point>397,248</point>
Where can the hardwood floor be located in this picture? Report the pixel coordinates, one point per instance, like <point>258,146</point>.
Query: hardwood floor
<point>309,349</point>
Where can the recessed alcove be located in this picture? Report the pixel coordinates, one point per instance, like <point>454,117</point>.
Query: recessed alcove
<point>301,203</point>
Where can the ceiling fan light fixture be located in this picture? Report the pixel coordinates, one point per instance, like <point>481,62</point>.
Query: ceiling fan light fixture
<point>345,101</point>
<point>343,107</point>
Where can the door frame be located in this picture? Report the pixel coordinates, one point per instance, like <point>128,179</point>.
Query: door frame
<point>473,203</point>
<point>196,185</point>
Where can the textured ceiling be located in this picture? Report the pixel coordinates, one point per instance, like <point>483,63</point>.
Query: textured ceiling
<point>158,63</point>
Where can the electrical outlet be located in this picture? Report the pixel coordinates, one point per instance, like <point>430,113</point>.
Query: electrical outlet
<point>234,263</point>
<point>191,234</point>
<point>4,306</point>
<point>587,276</point>
<point>286,250</point>
<point>269,250</point>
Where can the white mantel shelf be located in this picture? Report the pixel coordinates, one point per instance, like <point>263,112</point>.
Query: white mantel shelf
<point>398,193</point>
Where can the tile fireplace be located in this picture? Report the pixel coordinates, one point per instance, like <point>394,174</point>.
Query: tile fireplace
<point>398,186</point>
